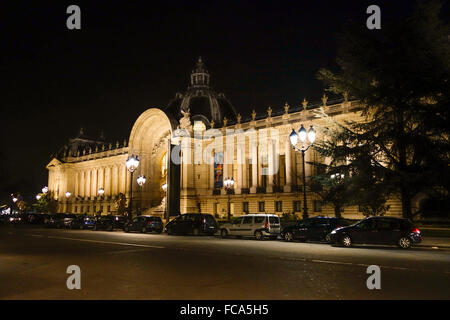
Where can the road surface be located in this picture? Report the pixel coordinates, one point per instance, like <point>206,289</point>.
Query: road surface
<point>117,265</point>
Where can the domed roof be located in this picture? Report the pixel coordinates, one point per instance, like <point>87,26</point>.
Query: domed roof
<point>201,100</point>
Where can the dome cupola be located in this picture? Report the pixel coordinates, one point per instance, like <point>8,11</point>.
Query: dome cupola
<point>200,100</point>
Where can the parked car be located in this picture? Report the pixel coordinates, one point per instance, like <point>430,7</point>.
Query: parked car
<point>316,229</point>
<point>14,219</point>
<point>55,221</point>
<point>37,218</point>
<point>192,223</point>
<point>378,230</point>
<point>253,225</point>
<point>144,224</point>
<point>103,223</point>
<point>89,222</point>
<point>74,221</point>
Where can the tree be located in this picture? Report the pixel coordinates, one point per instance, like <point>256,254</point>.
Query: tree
<point>47,203</point>
<point>333,189</point>
<point>400,74</point>
<point>121,204</point>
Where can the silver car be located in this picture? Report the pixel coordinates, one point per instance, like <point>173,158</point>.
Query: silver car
<point>258,226</point>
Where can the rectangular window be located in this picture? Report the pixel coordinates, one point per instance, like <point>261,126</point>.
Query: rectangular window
<point>88,209</point>
<point>261,206</point>
<point>317,205</point>
<point>215,208</point>
<point>297,206</point>
<point>76,209</point>
<point>109,209</point>
<point>278,206</point>
<point>245,207</point>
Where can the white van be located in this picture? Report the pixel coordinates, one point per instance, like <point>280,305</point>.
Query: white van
<point>253,225</point>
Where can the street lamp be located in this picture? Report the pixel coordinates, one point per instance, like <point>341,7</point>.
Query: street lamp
<point>303,136</point>
<point>68,194</point>
<point>14,199</point>
<point>141,181</point>
<point>38,197</point>
<point>101,192</point>
<point>44,190</point>
<point>132,164</point>
<point>229,184</point>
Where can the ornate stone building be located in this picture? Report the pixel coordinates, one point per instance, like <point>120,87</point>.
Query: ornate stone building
<point>192,145</point>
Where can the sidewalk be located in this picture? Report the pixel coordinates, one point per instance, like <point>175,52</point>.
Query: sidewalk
<point>440,242</point>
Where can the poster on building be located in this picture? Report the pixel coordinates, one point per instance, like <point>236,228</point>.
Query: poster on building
<point>218,170</point>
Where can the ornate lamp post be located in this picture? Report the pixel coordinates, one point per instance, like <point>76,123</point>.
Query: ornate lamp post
<point>44,190</point>
<point>101,192</point>
<point>141,181</point>
<point>132,164</point>
<point>38,197</point>
<point>303,135</point>
<point>229,185</point>
<point>68,194</point>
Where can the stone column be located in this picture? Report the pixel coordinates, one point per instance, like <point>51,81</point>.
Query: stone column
<point>94,190</point>
<point>270,166</point>
<point>108,181</point>
<point>76,192</point>
<point>82,184</point>
<point>88,183</point>
<point>254,151</point>
<point>101,178</point>
<point>288,166</point>
<point>240,155</point>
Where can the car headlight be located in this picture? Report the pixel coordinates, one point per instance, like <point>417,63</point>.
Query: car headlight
<point>333,232</point>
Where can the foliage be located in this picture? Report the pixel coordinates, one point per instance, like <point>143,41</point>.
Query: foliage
<point>47,203</point>
<point>121,204</point>
<point>400,75</point>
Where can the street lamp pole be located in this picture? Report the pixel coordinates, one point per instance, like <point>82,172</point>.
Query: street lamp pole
<point>229,184</point>
<point>68,194</point>
<point>303,135</point>
<point>132,164</point>
<point>141,181</point>
<point>101,192</point>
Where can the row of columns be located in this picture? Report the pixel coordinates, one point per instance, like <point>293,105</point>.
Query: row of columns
<point>113,179</point>
<point>239,157</point>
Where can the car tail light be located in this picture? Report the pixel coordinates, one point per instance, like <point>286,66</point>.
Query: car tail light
<point>266,225</point>
<point>416,230</point>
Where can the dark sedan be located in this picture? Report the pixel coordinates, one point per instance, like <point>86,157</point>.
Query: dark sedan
<point>74,221</point>
<point>55,221</point>
<point>316,229</point>
<point>108,222</point>
<point>378,230</point>
<point>192,223</point>
<point>144,224</point>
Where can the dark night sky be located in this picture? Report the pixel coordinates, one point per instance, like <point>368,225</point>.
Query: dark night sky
<point>129,57</point>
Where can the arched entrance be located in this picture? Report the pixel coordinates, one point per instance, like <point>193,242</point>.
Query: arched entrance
<point>149,140</point>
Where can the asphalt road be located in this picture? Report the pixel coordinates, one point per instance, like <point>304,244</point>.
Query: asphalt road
<point>116,265</point>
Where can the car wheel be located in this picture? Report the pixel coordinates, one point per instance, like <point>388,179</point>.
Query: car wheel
<point>288,236</point>
<point>346,241</point>
<point>110,228</point>
<point>126,229</point>
<point>404,243</point>
<point>144,230</point>
<point>327,238</point>
<point>195,232</point>
<point>224,233</point>
<point>259,235</point>
<point>94,228</point>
